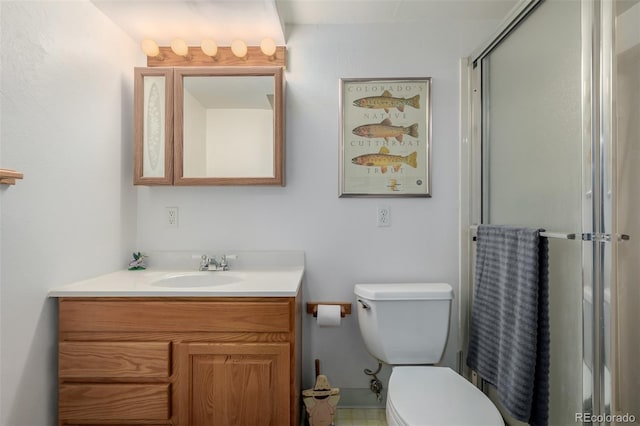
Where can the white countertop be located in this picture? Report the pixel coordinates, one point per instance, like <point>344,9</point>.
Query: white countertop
<point>256,274</point>
<point>280,282</point>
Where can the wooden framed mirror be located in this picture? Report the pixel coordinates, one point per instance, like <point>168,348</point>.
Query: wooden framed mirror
<point>209,126</point>
<point>228,126</point>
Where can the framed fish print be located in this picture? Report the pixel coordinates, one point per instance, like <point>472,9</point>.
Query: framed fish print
<point>385,137</point>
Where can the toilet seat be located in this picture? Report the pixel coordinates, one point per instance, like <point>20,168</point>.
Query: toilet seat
<point>437,396</point>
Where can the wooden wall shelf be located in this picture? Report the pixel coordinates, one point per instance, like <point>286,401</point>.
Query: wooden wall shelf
<point>8,177</point>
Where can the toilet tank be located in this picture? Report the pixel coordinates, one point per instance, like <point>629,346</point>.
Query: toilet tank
<point>404,323</point>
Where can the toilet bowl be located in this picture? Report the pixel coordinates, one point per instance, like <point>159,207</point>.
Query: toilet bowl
<point>406,326</point>
<point>420,396</point>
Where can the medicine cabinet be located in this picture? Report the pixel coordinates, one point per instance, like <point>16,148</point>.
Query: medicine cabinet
<point>209,126</point>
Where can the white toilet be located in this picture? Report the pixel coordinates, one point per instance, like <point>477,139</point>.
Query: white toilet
<point>406,326</point>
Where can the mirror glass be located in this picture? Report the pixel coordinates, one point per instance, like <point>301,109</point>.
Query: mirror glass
<point>228,126</point>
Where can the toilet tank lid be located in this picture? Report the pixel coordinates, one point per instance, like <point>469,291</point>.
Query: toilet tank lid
<point>404,291</point>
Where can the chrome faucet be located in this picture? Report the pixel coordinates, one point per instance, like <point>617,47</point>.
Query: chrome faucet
<point>212,264</point>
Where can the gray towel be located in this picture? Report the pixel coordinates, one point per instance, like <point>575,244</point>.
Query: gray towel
<point>509,336</point>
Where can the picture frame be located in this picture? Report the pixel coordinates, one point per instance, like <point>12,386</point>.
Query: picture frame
<point>385,137</point>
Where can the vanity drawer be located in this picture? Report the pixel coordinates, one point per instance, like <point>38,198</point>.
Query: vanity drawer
<point>114,401</point>
<point>114,359</point>
<point>144,315</point>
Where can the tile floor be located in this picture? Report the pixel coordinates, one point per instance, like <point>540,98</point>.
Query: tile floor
<point>360,417</point>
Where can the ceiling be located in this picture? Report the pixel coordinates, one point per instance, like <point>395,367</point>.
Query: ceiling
<point>194,20</point>
<point>252,20</point>
<point>386,11</point>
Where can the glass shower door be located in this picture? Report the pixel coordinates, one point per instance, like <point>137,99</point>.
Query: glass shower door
<point>532,142</point>
<point>556,106</point>
<point>622,292</point>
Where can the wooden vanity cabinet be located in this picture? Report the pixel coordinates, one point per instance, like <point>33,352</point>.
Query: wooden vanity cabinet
<point>179,361</point>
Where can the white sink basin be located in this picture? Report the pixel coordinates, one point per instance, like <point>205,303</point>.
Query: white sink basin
<point>197,279</point>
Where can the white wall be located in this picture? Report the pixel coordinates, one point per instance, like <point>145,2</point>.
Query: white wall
<point>339,235</point>
<point>66,88</point>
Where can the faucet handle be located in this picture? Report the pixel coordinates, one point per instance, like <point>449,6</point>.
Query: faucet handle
<point>223,260</point>
<point>204,262</point>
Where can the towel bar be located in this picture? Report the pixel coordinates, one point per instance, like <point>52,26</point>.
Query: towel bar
<point>558,235</point>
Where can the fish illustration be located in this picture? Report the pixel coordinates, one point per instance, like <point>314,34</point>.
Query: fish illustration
<point>393,185</point>
<point>383,160</point>
<point>386,130</point>
<point>386,102</point>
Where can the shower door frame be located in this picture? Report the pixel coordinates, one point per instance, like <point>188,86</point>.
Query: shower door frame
<point>598,131</point>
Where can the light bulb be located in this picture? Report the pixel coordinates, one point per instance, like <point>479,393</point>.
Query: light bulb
<point>239,49</point>
<point>268,47</point>
<point>209,47</point>
<point>179,47</point>
<point>150,48</point>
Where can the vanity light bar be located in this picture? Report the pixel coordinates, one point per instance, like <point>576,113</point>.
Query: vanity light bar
<point>224,57</point>
<point>210,54</point>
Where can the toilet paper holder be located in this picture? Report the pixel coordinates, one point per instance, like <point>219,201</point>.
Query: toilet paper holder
<point>345,307</point>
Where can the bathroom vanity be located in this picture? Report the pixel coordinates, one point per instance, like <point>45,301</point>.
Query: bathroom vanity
<point>134,349</point>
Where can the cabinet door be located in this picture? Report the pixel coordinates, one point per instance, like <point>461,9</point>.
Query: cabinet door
<point>231,384</point>
<point>153,126</point>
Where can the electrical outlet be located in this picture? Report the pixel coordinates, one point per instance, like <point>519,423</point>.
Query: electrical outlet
<point>383,216</point>
<point>171,217</point>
